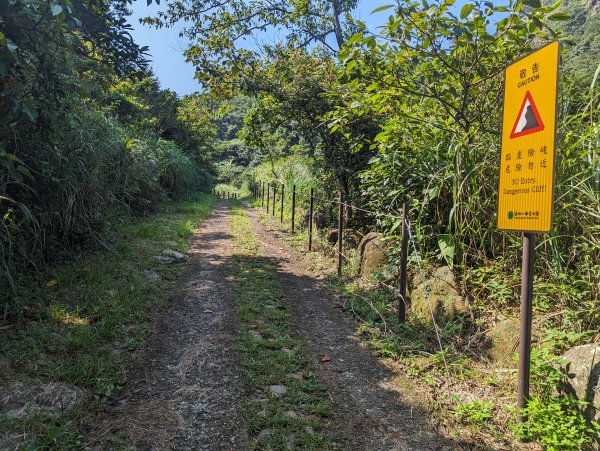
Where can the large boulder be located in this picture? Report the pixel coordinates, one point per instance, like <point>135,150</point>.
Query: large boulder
<point>437,294</point>
<point>372,252</point>
<point>582,369</point>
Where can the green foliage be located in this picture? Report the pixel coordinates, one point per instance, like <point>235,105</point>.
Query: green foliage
<point>78,312</point>
<point>217,31</point>
<point>78,143</point>
<point>475,412</point>
<point>554,420</point>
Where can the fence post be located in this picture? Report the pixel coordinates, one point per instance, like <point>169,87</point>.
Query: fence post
<point>268,196</point>
<point>310,220</point>
<point>274,199</point>
<point>403,259</point>
<point>340,233</point>
<point>262,197</point>
<point>293,206</point>
<point>282,197</point>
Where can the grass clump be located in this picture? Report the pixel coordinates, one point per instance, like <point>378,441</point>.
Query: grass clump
<point>82,319</point>
<point>271,357</point>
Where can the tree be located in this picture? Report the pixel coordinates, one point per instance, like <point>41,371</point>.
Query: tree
<point>225,36</point>
<point>433,81</point>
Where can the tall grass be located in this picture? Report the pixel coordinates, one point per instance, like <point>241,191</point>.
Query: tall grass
<point>66,181</point>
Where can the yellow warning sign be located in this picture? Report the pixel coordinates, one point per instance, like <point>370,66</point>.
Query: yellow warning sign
<point>526,184</point>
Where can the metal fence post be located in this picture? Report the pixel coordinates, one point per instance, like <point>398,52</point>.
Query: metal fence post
<point>310,220</point>
<point>340,233</point>
<point>403,260</point>
<point>282,197</point>
<point>293,206</point>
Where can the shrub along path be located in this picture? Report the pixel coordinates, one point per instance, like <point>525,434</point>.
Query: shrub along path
<point>248,312</point>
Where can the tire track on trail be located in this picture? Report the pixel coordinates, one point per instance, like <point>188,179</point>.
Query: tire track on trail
<point>372,406</point>
<point>184,388</point>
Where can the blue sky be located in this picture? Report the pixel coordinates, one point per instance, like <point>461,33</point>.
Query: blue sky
<point>166,48</point>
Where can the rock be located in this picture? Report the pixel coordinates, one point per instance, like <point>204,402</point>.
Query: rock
<point>320,219</point>
<point>151,275</point>
<point>164,260</point>
<point>263,435</point>
<point>17,400</point>
<point>582,368</point>
<point>278,390</point>
<point>256,335</point>
<point>372,252</point>
<point>170,256</point>
<point>502,341</point>
<point>174,254</point>
<point>352,238</point>
<point>439,292</point>
<point>332,236</point>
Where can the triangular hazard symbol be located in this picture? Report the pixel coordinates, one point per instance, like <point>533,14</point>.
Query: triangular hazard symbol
<point>528,120</point>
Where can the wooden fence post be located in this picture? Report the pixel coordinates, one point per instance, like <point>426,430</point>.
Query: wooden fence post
<point>262,197</point>
<point>274,199</point>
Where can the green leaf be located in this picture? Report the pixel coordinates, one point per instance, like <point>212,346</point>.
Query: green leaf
<point>30,112</point>
<point>466,10</point>
<point>56,9</point>
<point>382,8</point>
<point>447,247</point>
<point>559,16</point>
<point>533,3</point>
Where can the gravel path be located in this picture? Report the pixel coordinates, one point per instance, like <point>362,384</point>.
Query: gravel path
<point>185,387</point>
<point>374,408</point>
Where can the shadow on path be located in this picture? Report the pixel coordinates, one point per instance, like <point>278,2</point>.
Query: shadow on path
<point>371,404</point>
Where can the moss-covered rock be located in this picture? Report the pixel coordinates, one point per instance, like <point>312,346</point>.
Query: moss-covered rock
<point>582,369</point>
<point>372,252</point>
<point>437,294</point>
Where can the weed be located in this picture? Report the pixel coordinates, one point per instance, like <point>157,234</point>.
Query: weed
<point>270,357</point>
<point>95,310</point>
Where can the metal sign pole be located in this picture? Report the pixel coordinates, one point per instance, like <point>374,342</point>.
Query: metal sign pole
<point>526,319</point>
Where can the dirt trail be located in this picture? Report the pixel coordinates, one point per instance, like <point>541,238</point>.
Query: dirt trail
<point>185,387</point>
<point>371,404</point>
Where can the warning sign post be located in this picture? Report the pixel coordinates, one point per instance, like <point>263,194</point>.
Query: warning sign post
<point>526,182</point>
<point>528,135</point>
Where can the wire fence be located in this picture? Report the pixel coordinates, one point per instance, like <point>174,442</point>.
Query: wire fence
<point>268,195</point>
<point>258,192</point>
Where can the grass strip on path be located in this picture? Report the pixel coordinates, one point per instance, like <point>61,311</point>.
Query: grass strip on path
<point>286,406</point>
<point>83,319</point>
